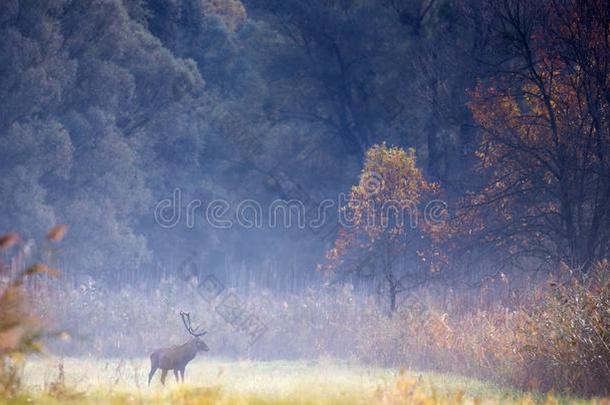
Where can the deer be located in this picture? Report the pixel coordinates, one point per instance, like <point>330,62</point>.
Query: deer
<point>177,357</point>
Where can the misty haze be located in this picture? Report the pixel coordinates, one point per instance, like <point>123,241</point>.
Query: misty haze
<point>305,201</point>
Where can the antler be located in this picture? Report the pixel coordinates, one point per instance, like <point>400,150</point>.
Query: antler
<point>186,319</point>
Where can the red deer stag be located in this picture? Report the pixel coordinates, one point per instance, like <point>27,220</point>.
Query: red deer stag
<point>177,357</point>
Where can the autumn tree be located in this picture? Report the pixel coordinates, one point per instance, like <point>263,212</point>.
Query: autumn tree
<point>383,221</point>
<point>545,146</point>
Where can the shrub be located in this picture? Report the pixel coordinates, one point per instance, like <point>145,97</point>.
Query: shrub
<point>20,328</point>
<point>565,340</point>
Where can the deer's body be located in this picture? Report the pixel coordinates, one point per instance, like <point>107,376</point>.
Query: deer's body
<point>176,357</point>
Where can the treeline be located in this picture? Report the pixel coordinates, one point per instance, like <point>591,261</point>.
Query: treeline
<point>109,106</point>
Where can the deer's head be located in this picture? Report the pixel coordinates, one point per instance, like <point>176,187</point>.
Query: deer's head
<point>196,339</point>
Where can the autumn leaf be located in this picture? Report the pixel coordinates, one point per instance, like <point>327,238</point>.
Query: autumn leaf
<point>8,240</point>
<point>57,233</point>
<point>40,268</point>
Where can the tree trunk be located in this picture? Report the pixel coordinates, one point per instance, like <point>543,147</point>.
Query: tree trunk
<point>392,300</point>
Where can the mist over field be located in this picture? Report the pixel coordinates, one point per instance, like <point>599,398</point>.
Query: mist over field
<point>321,201</point>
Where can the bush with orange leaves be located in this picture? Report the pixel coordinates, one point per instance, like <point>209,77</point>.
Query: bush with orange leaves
<point>20,328</point>
<point>565,340</point>
<point>555,338</point>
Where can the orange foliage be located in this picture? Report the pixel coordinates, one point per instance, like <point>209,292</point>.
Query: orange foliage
<point>554,337</point>
<point>57,233</point>
<point>546,140</point>
<point>385,207</point>
<point>8,240</point>
<point>21,328</point>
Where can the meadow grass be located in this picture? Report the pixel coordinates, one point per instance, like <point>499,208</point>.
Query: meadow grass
<point>212,381</point>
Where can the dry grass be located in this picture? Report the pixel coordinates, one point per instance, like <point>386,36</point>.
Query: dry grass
<point>211,381</point>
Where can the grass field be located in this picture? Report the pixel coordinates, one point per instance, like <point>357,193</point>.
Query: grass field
<point>211,381</point>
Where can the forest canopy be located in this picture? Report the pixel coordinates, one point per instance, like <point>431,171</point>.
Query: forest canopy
<point>108,107</point>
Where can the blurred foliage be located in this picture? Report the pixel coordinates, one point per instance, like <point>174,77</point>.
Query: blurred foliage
<point>21,327</point>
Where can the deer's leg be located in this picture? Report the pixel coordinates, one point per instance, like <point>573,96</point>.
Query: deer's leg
<point>182,373</point>
<point>153,367</point>
<point>163,375</point>
<point>176,375</point>
<point>153,370</point>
